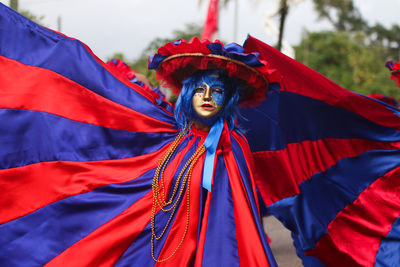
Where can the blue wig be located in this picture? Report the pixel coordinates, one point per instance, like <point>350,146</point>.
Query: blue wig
<point>184,111</point>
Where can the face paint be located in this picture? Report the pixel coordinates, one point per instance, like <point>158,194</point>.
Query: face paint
<point>208,99</point>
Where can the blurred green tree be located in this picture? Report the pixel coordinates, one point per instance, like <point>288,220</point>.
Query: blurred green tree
<point>355,54</point>
<point>347,59</point>
<point>342,14</point>
<point>140,64</point>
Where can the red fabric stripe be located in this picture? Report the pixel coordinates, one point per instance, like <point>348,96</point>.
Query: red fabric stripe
<point>61,96</point>
<point>302,80</point>
<point>186,253</point>
<point>367,220</point>
<point>28,188</point>
<point>279,173</point>
<point>106,244</point>
<point>250,249</point>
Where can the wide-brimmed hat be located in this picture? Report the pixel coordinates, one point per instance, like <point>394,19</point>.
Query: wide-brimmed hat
<point>394,70</point>
<point>178,60</point>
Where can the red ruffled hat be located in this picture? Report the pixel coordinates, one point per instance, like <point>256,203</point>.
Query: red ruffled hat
<point>178,60</point>
<point>395,71</point>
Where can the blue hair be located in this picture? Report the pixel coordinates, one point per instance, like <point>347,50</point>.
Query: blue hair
<point>184,111</point>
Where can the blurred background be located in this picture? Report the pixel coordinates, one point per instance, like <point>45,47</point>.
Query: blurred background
<point>348,41</point>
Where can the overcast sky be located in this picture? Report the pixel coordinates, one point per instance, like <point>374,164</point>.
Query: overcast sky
<point>127,26</point>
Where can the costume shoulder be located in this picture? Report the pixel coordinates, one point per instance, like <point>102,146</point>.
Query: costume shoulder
<point>327,165</point>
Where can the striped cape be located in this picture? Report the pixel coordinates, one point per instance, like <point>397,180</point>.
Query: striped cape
<point>328,166</point>
<point>80,146</point>
<point>79,149</point>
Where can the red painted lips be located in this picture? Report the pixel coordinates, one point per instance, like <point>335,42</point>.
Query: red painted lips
<point>207,106</point>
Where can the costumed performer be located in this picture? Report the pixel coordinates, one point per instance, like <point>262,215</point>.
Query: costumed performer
<point>155,190</point>
<point>97,172</point>
<point>211,85</point>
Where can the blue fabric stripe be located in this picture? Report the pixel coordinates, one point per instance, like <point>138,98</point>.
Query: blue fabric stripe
<point>309,261</point>
<point>325,194</point>
<point>203,198</point>
<point>139,253</point>
<point>35,45</point>
<point>287,117</point>
<point>28,137</point>
<point>211,144</point>
<point>244,173</point>
<point>35,239</point>
<point>220,247</point>
<point>389,250</point>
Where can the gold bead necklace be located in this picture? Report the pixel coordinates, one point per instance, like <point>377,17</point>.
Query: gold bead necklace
<point>159,199</point>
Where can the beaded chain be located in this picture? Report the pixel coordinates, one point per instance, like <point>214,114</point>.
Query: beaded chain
<point>159,199</point>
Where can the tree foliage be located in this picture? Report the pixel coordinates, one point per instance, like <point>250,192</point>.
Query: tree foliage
<point>140,65</point>
<point>343,14</point>
<point>385,40</point>
<point>347,59</point>
<point>355,53</point>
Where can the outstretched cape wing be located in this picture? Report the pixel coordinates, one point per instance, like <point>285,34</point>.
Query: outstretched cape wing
<point>77,149</point>
<point>327,165</point>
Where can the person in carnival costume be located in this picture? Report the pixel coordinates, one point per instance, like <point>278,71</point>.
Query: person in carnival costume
<point>95,171</point>
<point>212,80</point>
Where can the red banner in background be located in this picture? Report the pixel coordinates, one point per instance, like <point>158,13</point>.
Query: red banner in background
<point>211,24</point>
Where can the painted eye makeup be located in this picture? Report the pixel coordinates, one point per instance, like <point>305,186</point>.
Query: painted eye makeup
<point>200,89</point>
<point>213,90</point>
<point>217,91</point>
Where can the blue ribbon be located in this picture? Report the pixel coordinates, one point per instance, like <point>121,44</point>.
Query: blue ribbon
<point>211,144</point>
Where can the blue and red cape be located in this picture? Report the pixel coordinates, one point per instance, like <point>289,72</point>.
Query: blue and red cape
<point>79,148</point>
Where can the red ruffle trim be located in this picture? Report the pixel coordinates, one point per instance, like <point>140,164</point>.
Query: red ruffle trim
<point>123,68</point>
<point>396,73</point>
<point>172,72</point>
<point>123,71</point>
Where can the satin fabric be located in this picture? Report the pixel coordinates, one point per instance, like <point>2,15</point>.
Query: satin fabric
<point>327,164</point>
<point>79,152</point>
<point>80,148</point>
<point>122,238</point>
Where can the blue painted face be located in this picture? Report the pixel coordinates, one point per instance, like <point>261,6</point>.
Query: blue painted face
<point>216,89</point>
<point>209,96</point>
